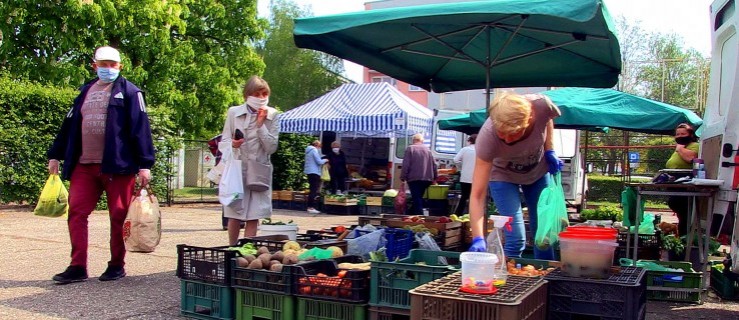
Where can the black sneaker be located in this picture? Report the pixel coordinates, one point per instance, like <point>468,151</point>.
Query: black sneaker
<point>113,273</point>
<point>72,274</point>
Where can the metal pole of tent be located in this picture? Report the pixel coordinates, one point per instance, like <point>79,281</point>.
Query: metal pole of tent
<point>583,199</point>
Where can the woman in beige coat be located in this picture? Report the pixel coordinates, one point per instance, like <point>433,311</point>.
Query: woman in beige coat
<point>260,127</point>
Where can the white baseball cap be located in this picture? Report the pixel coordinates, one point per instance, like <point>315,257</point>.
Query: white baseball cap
<point>107,53</point>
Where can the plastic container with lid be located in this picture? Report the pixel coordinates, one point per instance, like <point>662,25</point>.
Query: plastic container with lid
<point>587,252</point>
<point>478,273</point>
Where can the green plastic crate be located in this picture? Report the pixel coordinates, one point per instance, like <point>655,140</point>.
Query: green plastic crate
<point>436,192</point>
<point>725,287</point>
<point>309,309</point>
<point>390,281</point>
<point>679,286</point>
<point>206,301</point>
<point>252,305</point>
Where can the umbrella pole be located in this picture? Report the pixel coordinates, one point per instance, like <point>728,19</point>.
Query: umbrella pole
<point>487,74</point>
<point>583,199</point>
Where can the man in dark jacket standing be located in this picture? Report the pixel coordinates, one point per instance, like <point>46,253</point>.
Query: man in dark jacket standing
<point>105,143</point>
<point>419,170</point>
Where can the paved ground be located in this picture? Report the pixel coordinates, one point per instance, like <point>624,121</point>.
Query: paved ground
<point>36,248</point>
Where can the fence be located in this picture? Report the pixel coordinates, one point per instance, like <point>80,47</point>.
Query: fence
<point>188,182</point>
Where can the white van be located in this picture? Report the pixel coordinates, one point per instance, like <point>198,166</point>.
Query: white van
<point>720,129</point>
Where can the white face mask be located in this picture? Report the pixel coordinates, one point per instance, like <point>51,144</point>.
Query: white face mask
<point>335,150</point>
<point>257,103</point>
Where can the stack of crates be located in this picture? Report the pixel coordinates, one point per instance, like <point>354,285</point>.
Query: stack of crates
<point>205,282</point>
<point>300,201</point>
<point>263,294</point>
<point>650,246</point>
<point>521,298</point>
<point>285,198</point>
<point>390,281</point>
<point>323,292</point>
<point>388,205</point>
<point>623,295</point>
<point>372,206</point>
<point>681,286</point>
<point>725,283</point>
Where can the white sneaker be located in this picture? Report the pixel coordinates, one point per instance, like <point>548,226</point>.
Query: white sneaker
<point>313,211</point>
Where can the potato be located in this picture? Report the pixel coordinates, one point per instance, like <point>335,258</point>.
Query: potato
<point>262,250</point>
<point>335,251</point>
<point>256,264</point>
<point>242,262</point>
<point>277,267</point>
<point>279,255</point>
<point>265,257</point>
<point>249,257</point>
<point>290,259</point>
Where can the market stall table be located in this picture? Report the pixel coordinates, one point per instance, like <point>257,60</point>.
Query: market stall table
<point>678,189</point>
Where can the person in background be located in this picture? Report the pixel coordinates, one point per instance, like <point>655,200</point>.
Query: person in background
<point>105,142</point>
<point>514,150</point>
<point>259,125</point>
<point>686,149</point>
<point>312,168</point>
<point>465,159</point>
<point>419,170</point>
<point>337,168</point>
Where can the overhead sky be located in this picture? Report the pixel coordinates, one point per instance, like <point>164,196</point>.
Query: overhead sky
<point>687,18</point>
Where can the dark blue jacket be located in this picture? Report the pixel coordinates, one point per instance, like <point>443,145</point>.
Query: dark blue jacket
<point>128,142</point>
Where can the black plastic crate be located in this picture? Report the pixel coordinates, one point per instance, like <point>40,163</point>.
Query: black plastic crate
<point>386,313</point>
<point>352,287</point>
<point>261,279</point>
<point>645,240</point>
<point>204,264</point>
<point>621,296</point>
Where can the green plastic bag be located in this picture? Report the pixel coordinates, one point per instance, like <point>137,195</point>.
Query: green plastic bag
<point>552,214</point>
<point>53,201</point>
<point>647,224</point>
<point>628,203</point>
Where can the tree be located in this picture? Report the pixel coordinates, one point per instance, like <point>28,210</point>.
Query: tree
<point>295,75</point>
<point>679,77</point>
<point>190,57</point>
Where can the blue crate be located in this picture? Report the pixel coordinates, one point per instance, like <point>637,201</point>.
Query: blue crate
<point>399,242</point>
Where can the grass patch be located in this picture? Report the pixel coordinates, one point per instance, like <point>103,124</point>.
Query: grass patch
<point>649,204</point>
<point>189,192</point>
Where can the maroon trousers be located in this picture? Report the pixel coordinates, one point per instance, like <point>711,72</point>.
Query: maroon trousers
<point>86,187</point>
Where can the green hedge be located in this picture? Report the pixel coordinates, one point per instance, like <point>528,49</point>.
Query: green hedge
<point>30,119</point>
<point>608,189</point>
<point>289,161</point>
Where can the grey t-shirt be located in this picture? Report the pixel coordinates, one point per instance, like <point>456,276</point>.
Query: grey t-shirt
<point>523,161</point>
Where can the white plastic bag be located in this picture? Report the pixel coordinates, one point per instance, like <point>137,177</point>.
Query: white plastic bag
<point>142,228</point>
<point>231,186</point>
<point>215,173</point>
<point>366,243</point>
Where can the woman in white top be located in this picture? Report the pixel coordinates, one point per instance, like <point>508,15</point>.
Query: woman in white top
<point>465,160</point>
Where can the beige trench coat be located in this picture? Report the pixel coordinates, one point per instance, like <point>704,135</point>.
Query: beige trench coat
<point>259,144</point>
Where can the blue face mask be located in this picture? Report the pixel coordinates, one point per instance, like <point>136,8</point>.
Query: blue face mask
<point>108,74</point>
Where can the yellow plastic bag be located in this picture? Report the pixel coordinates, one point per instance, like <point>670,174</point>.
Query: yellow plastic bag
<point>54,199</point>
<point>325,175</point>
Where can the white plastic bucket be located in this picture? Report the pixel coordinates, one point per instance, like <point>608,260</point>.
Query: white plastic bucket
<point>478,270</point>
<point>290,230</point>
<point>586,258</point>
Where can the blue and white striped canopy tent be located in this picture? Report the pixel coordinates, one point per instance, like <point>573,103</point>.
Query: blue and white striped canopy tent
<point>366,109</point>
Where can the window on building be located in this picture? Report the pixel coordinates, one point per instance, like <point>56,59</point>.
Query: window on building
<point>386,79</point>
<point>414,88</point>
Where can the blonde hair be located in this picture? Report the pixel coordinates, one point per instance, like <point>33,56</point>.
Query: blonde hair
<point>255,85</point>
<point>510,112</point>
<point>315,143</point>
<point>335,144</point>
<point>417,138</point>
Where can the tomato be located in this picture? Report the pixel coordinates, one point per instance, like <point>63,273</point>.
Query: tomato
<point>342,273</point>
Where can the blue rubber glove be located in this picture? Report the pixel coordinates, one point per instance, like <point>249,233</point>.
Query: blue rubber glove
<point>478,245</point>
<point>554,163</point>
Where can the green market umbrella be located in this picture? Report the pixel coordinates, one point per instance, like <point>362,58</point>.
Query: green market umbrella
<point>595,109</point>
<point>476,45</point>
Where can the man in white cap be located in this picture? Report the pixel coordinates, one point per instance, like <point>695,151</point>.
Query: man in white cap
<point>104,143</point>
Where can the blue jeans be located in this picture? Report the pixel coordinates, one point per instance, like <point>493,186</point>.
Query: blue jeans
<point>507,200</point>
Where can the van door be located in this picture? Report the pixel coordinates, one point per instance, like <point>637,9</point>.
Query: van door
<point>567,146</point>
